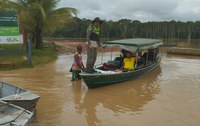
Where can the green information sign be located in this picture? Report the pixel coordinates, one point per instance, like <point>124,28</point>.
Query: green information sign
<point>9,29</point>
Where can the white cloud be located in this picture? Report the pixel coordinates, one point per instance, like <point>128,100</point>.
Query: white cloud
<point>143,10</point>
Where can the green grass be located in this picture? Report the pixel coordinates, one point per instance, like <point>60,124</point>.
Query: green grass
<point>39,57</point>
<point>43,56</point>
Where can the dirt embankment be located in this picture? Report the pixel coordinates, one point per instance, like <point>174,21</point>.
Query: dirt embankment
<point>70,47</point>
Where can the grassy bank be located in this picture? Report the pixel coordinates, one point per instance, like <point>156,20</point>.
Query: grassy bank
<point>18,58</point>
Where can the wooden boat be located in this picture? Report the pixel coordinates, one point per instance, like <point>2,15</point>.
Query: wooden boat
<point>103,77</point>
<point>18,96</point>
<point>12,115</point>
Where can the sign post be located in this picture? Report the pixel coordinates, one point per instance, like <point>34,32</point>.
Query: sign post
<point>9,28</point>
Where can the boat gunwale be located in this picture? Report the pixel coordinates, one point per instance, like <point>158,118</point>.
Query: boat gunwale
<point>101,74</point>
<point>24,98</point>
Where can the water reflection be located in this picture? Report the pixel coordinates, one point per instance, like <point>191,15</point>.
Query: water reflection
<point>154,99</point>
<point>128,97</point>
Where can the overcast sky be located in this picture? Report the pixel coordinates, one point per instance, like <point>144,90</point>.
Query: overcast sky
<point>142,10</point>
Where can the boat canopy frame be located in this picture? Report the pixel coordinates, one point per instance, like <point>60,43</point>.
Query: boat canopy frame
<point>135,44</point>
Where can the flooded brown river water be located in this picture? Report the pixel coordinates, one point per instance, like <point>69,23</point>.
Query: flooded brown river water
<point>167,96</point>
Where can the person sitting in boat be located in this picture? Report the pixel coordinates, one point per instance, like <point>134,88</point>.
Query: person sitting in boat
<point>117,63</point>
<point>149,56</point>
<point>140,59</point>
<point>129,62</point>
<point>77,65</point>
<point>121,58</point>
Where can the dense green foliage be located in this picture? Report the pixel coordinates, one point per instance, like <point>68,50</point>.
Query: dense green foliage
<point>126,28</point>
<point>38,17</point>
<point>44,55</point>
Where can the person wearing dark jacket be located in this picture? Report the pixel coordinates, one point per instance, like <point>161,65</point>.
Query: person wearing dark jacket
<point>93,42</point>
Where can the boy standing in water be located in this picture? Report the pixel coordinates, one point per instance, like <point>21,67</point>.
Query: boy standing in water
<point>77,65</point>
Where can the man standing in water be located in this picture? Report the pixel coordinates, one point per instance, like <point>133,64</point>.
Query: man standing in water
<point>93,41</point>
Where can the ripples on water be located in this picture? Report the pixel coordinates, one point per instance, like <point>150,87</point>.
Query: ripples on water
<point>169,95</point>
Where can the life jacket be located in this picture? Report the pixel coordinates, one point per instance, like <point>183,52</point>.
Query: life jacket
<point>129,63</point>
<point>95,32</point>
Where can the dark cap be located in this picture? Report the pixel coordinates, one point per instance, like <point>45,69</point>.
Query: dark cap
<point>97,19</point>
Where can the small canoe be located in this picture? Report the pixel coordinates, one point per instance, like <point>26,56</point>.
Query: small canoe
<point>104,77</point>
<point>18,96</point>
<point>12,115</point>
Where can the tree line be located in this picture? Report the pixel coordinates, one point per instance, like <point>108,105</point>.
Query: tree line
<point>41,18</point>
<point>126,28</point>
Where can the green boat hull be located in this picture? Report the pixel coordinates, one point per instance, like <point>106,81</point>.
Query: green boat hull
<point>94,80</point>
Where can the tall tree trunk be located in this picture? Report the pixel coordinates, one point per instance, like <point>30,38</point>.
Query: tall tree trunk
<point>38,38</point>
<point>33,37</point>
<point>24,38</point>
<point>108,33</point>
<point>189,36</point>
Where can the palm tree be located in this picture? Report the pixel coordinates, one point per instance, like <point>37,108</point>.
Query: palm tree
<point>39,16</point>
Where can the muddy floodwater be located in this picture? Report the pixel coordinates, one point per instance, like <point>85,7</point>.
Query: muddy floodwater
<point>167,96</point>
